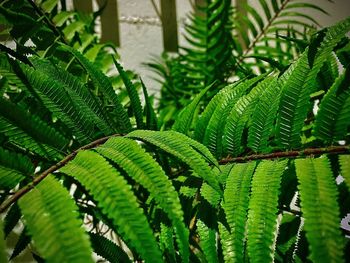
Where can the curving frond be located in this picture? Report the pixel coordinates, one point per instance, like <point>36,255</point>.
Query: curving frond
<point>318,196</point>
<point>263,117</point>
<point>207,242</point>
<point>58,236</point>
<point>140,166</point>
<point>30,132</point>
<point>14,167</point>
<point>294,102</point>
<point>82,96</point>
<point>262,25</point>
<point>107,249</point>
<point>133,95</point>
<point>166,241</point>
<point>185,118</point>
<point>333,118</point>
<point>263,209</point>
<point>103,85</point>
<point>170,142</point>
<point>235,204</point>
<point>209,128</point>
<point>116,200</point>
<point>238,117</point>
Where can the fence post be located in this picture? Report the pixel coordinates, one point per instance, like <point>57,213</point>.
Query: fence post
<point>110,22</point>
<point>169,25</point>
<point>83,5</point>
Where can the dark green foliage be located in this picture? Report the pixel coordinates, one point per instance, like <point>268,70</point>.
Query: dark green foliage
<point>221,185</point>
<point>108,249</point>
<point>58,236</point>
<point>317,186</point>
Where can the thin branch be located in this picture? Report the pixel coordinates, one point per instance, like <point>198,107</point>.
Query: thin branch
<point>6,204</point>
<point>288,154</point>
<point>262,32</point>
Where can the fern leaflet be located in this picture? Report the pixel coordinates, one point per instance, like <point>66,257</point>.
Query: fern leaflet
<point>58,236</point>
<point>115,199</point>
<point>318,195</point>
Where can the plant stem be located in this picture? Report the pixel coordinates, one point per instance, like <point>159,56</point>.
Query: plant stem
<point>7,203</point>
<point>288,154</point>
<point>262,32</point>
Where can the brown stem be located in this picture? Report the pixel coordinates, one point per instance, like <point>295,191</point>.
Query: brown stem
<point>7,203</point>
<point>288,154</point>
<point>263,32</point>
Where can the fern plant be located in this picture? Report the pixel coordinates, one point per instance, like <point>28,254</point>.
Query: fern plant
<point>225,42</point>
<point>250,178</point>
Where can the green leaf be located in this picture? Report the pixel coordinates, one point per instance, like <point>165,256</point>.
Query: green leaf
<point>87,103</point>
<point>51,219</point>
<point>29,131</point>
<point>262,215</point>
<point>140,166</point>
<point>172,142</point>
<point>14,167</point>
<point>318,196</point>
<point>22,243</point>
<point>184,119</point>
<point>333,118</point>
<point>263,117</point>
<point>116,200</point>
<point>294,102</point>
<point>209,194</point>
<point>235,204</point>
<point>108,249</point>
<point>133,95</point>
<point>151,117</point>
<point>103,84</point>
<point>239,116</point>
<point>207,242</point>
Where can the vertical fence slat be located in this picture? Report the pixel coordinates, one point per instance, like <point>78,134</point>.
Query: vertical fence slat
<point>169,25</point>
<point>110,22</point>
<point>83,5</point>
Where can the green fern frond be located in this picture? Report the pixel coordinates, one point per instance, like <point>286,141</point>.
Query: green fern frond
<point>140,166</point>
<point>21,244</point>
<point>207,242</point>
<point>184,119</point>
<point>262,215</point>
<point>133,95</point>
<point>263,117</point>
<point>13,168</point>
<point>344,161</point>
<point>151,117</point>
<point>209,194</point>
<point>333,118</point>
<point>3,254</point>
<point>58,101</point>
<point>11,219</point>
<point>57,235</point>
<point>172,143</point>
<point>209,129</point>
<point>238,117</point>
<point>235,204</point>
<point>29,131</point>
<point>226,241</point>
<point>104,86</point>
<point>318,195</point>
<point>166,240</point>
<point>107,249</point>
<point>83,98</point>
<point>294,102</point>
<point>116,200</point>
